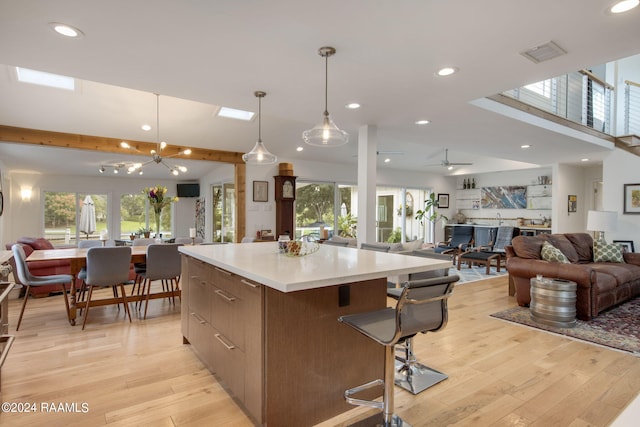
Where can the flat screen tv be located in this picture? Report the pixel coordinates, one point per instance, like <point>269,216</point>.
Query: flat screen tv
<point>188,190</point>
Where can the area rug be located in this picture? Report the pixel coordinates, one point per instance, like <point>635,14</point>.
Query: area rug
<point>475,273</point>
<point>618,327</point>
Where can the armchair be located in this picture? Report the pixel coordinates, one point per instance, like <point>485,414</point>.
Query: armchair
<point>461,238</point>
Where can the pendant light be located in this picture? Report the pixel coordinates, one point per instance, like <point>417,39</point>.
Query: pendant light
<point>259,155</point>
<point>326,134</point>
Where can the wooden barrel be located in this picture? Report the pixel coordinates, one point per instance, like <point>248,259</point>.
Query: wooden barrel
<point>285,169</point>
<point>553,302</point>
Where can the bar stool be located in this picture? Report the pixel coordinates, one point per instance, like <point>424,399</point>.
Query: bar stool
<point>422,306</point>
<point>410,374</point>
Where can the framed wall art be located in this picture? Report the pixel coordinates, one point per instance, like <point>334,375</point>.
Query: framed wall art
<point>573,203</point>
<point>627,245</point>
<point>443,200</point>
<point>260,191</point>
<point>632,198</point>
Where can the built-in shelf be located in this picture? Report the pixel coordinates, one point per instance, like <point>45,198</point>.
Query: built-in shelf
<point>539,197</point>
<point>465,199</point>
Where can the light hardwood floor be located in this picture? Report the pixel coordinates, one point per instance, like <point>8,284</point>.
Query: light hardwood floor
<point>500,374</point>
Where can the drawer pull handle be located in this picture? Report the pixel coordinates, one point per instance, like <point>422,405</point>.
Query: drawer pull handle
<point>223,271</point>
<point>199,319</point>
<point>225,296</point>
<point>249,283</point>
<point>228,346</point>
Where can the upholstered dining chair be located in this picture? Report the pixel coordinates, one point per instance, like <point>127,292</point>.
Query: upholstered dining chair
<point>188,240</point>
<point>163,263</point>
<point>107,267</point>
<point>421,307</point>
<point>30,280</point>
<point>140,267</point>
<point>82,274</point>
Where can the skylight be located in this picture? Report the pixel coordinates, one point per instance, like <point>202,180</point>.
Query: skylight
<point>232,113</point>
<point>41,78</point>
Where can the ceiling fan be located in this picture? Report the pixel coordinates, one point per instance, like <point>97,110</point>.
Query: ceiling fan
<point>447,164</point>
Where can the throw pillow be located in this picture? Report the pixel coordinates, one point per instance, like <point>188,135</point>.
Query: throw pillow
<point>412,245</point>
<point>603,252</point>
<point>552,254</point>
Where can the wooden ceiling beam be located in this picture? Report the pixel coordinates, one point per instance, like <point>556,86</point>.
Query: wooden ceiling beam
<point>109,145</point>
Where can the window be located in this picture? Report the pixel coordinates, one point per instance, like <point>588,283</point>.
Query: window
<point>542,88</point>
<point>315,208</point>
<point>133,214</point>
<point>64,221</point>
<point>224,213</point>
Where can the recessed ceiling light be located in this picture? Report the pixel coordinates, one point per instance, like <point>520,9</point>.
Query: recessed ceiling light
<point>525,146</point>
<point>25,75</point>
<point>146,128</point>
<point>624,6</point>
<point>387,160</point>
<point>232,113</point>
<point>352,105</point>
<point>422,122</point>
<point>66,30</point>
<point>584,160</point>
<point>299,148</point>
<point>446,71</point>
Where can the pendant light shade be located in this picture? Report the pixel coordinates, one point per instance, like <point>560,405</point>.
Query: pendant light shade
<point>326,133</point>
<point>259,155</point>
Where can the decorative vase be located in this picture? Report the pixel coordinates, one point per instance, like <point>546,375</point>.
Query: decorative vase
<point>158,210</point>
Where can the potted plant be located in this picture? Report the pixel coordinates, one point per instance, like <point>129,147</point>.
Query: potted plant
<point>145,231</point>
<point>430,213</point>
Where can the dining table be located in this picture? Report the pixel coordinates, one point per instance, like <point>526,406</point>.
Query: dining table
<point>77,258</point>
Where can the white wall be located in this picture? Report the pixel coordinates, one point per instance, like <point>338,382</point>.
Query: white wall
<point>621,168</point>
<point>570,180</point>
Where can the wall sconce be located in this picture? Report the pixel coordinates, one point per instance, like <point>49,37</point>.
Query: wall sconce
<point>25,193</point>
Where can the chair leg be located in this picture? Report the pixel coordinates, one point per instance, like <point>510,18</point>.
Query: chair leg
<point>24,304</point>
<point>146,304</point>
<point>86,307</point>
<point>124,301</point>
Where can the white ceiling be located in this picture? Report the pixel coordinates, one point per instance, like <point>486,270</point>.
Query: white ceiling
<point>203,54</point>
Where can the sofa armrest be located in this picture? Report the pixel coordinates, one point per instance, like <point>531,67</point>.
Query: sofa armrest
<point>527,268</point>
<point>632,258</point>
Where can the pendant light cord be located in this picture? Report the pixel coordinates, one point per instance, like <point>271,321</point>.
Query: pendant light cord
<point>158,123</point>
<point>259,119</point>
<point>326,85</point>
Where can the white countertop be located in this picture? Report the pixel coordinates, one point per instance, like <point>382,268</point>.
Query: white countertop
<point>331,265</point>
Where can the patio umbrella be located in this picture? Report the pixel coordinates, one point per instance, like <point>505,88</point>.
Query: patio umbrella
<point>87,223</point>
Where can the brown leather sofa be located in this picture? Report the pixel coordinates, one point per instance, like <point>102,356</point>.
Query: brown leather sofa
<point>40,268</point>
<point>600,285</point>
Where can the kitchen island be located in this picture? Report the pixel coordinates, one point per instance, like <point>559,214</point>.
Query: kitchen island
<point>266,324</point>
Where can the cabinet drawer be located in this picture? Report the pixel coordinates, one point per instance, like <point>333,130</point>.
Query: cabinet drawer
<point>230,363</point>
<point>227,314</point>
<point>200,297</point>
<point>224,279</point>
<point>201,336</point>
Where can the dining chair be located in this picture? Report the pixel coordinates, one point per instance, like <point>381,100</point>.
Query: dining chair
<point>30,280</point>
<point>140,267</point>
<point>107,267</point>
<point>163,263</point>
<point>188,240</point>
<point>82,274</point>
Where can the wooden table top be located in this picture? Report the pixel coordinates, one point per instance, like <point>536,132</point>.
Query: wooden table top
<point>72,253</point>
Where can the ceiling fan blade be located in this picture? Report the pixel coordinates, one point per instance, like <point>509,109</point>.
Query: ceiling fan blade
<point>459,164</point>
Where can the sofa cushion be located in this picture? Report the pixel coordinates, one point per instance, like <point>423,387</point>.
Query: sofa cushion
<point>412,245</point>
<point>583,244</point>
<point>351,241</point>
<point>622,273</point>
<point>37,243</point>
<point>528,247</point>
<point>552,254</point>
<point>603,252</point>
<point>395,247</point>
<point>561,242</point>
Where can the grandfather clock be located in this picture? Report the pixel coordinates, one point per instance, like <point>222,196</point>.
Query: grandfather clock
<point>285,213</point>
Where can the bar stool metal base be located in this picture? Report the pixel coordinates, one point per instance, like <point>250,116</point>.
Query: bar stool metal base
<point>417,378</point>
<point>412,375</point>
<point>377,420</point>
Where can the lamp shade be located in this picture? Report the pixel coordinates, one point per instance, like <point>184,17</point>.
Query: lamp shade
<point>602,220</point>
